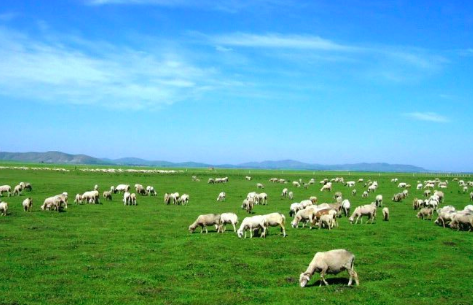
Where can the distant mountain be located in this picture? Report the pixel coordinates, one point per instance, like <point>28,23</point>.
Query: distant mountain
<point>63,158</point>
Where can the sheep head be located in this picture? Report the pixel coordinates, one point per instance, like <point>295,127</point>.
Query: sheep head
<point>303,279</point>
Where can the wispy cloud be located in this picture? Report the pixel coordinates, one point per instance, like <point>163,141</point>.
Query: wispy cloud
<point>427,116</point>
<point>278,41</point>
<point>54,71</point>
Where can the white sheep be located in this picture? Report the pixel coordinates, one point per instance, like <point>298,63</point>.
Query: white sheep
<point>132,199</point>
<point>5,189</point>
<point>228,218</point>
<point>17,190</point>
<point>3,208</point>
<point>205,220</point>
<point>295,207</point>
<point>121,188</point>
<point>353,192</point>
<point>78,199</point>
<point>379,200</point>
<point>364,210</point>
<point>385,214</point>
<point>284,192</point>
<point>424,213</point>
<point>346,207</point>
<point>259,186</point>
<point>91,197</point>
<point>364,195</point>
<point>252,223</point>
<point>327,220</point>
<point>126,198</point>
<point>290,195</point>
<point>296,184</point>
<point>107,195</point>
<point>184,199</point>
<point>304,215</point>
<point>262,198</point>
<point>27,204</point>
<point>221,196</point>
<point>327,187</point>
<point>274,220</point>
<point>248,205</point>
<point>248,178</point>
<point>330,262</point>
<point>151,191</point>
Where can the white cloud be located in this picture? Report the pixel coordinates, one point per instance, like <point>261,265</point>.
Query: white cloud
<point>427,116</point>
<point>278,41</point>
<point>223,49</point>
<point>114,77</point>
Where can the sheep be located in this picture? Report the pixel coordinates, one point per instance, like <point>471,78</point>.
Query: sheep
<point>350,183</point>
<point>385,214</point>
<point>405,193</point>
<point>462,221</point>
<point>465,189</point>
<point>398,197</point>
<point>205,220</point>
<point>440,195</point>
<point>402,185</point>
<point>353,192</point>
<point>249,178</point>
<point>346,207</point>
<point>230,218</point>
<point>211,181</point>
<point>379,200</point>
<point>121,188</point>
<point>262,198</point>
<point>327,187</point>
<point>331,262</point>
<point>337,195</point>
<point>284,192</point>
<point>394,180</point>
<point>221,196</point>
<point>62,199</point>
<point>259,186</point>
<point>17,190</point>
<point>27,204</point>
<point>364,195</point>
<point>107,195</point>
<point>51,203</point>
<point>364,210</point>
<point>427,193</point>
<point>140,189</point>
<point>468,208</point>
<point>5,189</point>
<point>78,199</point>
<point>184,199</point>
<point>96,187</point>
<point>304,215</point>
<point>471,196</point>
<point>151,191</point>
<point>419,186</point>
<point>424,213</point>
<point>313,199</point>
<point>170,197</point>
<point>248,205</point>
<point>91,197</point>
<point>372,188</point>
<point>4,208</point>
<point>290,195</point>
<point>274,220</point>
<point>417,203</point>
<point>27,186</point>
<point>126,198</point>
<point>132,199</point>
<point>445,215</point>
<point>328,220</point>
<point>252,223</point>
<point>294,208</point>
<point>296,184</point>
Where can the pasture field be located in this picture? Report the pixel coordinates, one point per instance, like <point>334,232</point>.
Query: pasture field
<point>115,254</point>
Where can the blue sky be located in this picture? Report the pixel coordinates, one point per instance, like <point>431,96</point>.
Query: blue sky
<point>234,81</point>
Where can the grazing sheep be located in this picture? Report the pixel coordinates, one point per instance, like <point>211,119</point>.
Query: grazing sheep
<point>262,198</point>
<point>419,186</point>
<point>424,213</point>
<point>132,199</point>
<point>417,203</point>
<point>295,207</point>
<point>27,186</point>
<point>121,188</point>
<point>205,220</point>
<point>337,195</point>
<point>284,192</point>
<point>5,189</point>
<point>313,199</point>
<point>51,203</point>
<point>3,208</point>
<point>304,215</point>
<point>398,197</point>
<point>91,197</point>
<point>468,209</point>
<point>291,195</point>
<point>248,205</point>
<point>107,195</point>
<point>364,195</point>
<point>330,262</point>
<point>221,196</point>
<point>248,178</point>
<point>126,198</point>
<point>372,188</point>
<point>364,210</point>
<point>184,199</point>
<point>327,220</point>
<point>226,218</point>
<point>385,214</point>
<point>211,181</point>
<point>445,215</point>
<point>346,207</point>
<point>427,193</point>
<point>379,200</point>
<point>259,186</point>
<point>296,184</point>
<point>170,197</point>
<point>78,199</point>
<point>440,195</point>
<point>462,221</point>
<point>17,190</point>
<point>353,192</point>
<point>140,189</point>
<point>274,220</point>
<point>327,187</point>
<point>252,223</point>
<point>27,204</point>
<point>151,191</point>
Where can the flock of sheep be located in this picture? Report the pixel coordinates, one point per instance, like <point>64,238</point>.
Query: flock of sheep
<point>306,212</point>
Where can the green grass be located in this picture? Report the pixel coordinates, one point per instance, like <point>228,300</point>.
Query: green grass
<point>115,254</point>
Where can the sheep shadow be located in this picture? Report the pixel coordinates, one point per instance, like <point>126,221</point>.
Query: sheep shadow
<point>339,281</point>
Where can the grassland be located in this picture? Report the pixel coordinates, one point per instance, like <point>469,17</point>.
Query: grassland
<point>115,254</point>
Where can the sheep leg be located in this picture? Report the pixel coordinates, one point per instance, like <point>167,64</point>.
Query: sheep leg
<point>322,277</point>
